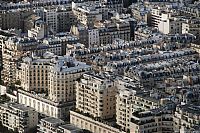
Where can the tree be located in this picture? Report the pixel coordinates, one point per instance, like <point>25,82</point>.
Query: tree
<point>18,82</point>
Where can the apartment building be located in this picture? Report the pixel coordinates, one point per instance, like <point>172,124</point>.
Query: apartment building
<point>129,101</point>
<point>49,125</point>
<point>65,18</point>
<point>192,26</point>
<point>51,44</point>
<point>70,128</point>
<point>55,44</point>
<point>12,50</point>
<point>55,125</point>
<point>127,18</point>
<point>50,17</point>
<point>18,117</point>
<point>149,82</point>
<point>157,120</point>
<point>127,88</point>
<point>22,5</point>
<point>67,39</point>
<point>109,30</point>
<point>170,25</point>
<point>58,18</point>
<point>142,31</point>
<point>180,38</point>
<point>43,105</point>
<point>14,19</point>
<point>190,9</point>
<point>186,116</point>
<point>87,13</point>
<point>195,46</point>
<point>113,5</point>
<point>156,15</point>
<point>110,59</point>
<point>95,95</point>
<point>123,108</point>
<point>93,125</point>
<point>33,75</point>
<point>105,32</point>
<point>141,12</point>
<point>4,34</point>
<point>52,73</point>
<point>93,37</point>
<point>148,100</point>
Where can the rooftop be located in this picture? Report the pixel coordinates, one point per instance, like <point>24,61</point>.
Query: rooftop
<point>167,109</point>
<point>98,80</point>
<point>17,106</point>
<point>70,127</point>
<point>59,63</point>
<point>53,120</point>
<point>190,108</point>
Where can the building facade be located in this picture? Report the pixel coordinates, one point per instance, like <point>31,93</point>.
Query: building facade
<point>53,74</point>
<point>49,125</point>
<point>110,30</point>
<point>14,19</point>
<point>86,13</point>
<point>12,50</point>
<point>170,25</point>
<point>186,116</point>
<point>95,126</point>
<point>18,117</point>
<point>152,121</point>
<point>99,99</point>
<point>43,105</point>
